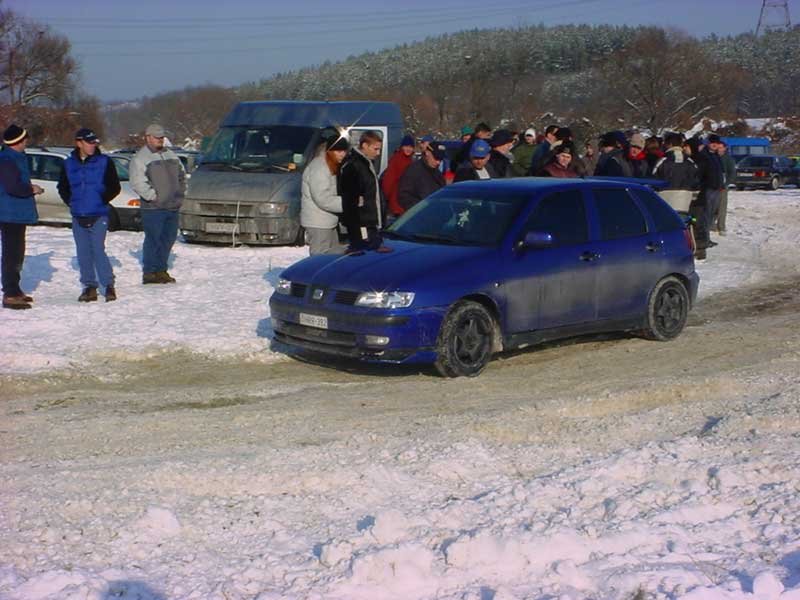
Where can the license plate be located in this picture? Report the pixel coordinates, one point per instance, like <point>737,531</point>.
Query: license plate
<point>313,321</point>
<point>222,227</point>
<point>745,174</point>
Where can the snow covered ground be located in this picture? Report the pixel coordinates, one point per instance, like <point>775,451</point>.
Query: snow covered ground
<point>298,490</point>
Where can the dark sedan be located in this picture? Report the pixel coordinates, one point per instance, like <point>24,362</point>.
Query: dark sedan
<point>480,267</point>
<point>769,172</point>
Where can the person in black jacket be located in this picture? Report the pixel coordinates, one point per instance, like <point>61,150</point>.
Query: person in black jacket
<point>423,177</point>
<point>482,132</point>
<point>358,185</point>
<point>542,154</point>
<point>711,179</point>
<point>501,158</point>
<point>679,171</point>
<point>478,167</point>
<point>613,161</point>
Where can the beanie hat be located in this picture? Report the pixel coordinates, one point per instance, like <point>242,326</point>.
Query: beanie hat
<point>479,149</point>
<point>637,139</point>
<point>337,143</point>
<point>564,134</point>
<point>407,141</point>
<point>713,138</point>
<point>612,138</point>
<point>501,137</point>
<point>14,135</point>
<point>155,130</point>
<point>467,130</point>
<point>565,148</point>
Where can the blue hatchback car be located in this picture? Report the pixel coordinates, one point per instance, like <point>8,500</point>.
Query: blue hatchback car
<point>485,266</point>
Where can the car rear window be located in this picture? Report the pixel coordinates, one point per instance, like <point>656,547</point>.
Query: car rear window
<point>664,218</point>
<point>619,216</point>
<point>756,161</point>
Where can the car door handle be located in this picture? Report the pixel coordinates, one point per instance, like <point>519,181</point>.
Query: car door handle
<point>653,246</point>
<point>589,256</point>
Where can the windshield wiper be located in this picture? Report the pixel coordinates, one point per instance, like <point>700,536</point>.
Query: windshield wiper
<point>424,237</point>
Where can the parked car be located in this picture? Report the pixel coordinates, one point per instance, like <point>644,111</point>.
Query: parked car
<point>480,267</point>
<point>770,172</point>
<point>46,164</point>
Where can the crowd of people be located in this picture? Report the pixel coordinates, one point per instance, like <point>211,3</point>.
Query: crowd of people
<point>342,192</point>
<point>88,183</point>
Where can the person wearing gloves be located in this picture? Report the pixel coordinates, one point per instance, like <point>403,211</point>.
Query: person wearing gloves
<point>320,201</point>
<point>88,182</point>
<point>158,177</point>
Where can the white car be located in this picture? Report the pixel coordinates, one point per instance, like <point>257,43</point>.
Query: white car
<point>45,165</point>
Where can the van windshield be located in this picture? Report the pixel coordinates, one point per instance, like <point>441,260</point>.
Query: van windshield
<point>266,148</point>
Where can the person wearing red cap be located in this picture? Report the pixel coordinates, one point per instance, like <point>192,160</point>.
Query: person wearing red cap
<point>17,211</point>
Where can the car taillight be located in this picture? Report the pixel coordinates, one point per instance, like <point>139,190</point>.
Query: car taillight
<point>133,202</point>
<point>687,234</point>
<point>761,173</point>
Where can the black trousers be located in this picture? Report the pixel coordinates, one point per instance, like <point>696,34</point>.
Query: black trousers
<point>699,210</point>
<point>13,254</point>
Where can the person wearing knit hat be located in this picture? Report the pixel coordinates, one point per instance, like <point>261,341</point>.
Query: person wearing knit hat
<point>320,202</point>
<point>466,133</point>
<point>400,160</point>
<point>523,153</point>
<point>613,160</point>
<point>17,211</point>
<point>501,158</point>
<point>561,162</point>
<point>636,155</point>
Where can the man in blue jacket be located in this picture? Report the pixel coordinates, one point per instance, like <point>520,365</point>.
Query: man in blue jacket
<point>17,210</point>
<point>88,183</point>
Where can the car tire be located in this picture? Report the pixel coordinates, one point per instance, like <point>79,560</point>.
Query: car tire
<point>466,340</point>
<point>667,310</point>
<point>113,219</point>
<point>775,183</point>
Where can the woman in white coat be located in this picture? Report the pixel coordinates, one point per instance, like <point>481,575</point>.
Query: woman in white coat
<point>321,203</point>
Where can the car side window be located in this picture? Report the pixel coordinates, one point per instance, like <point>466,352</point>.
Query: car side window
<point>664,218</point>
<point>50,169</point>
<point>618,214</point>
<point>563,216</point>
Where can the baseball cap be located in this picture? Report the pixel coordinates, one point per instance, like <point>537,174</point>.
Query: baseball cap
<point>87,135</point>
<point>479,149</point>
<point>155,130</point>
<point>438,150</point>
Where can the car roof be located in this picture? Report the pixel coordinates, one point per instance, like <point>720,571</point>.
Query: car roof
<point>522,185</point>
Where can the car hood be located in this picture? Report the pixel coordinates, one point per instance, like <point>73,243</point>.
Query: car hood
<point>233,186</point>
<point>408,265</point>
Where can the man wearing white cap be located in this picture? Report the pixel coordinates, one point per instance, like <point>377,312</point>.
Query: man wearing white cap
<point>158,177</point>
<point>523,153</point>
<point>17,210</point>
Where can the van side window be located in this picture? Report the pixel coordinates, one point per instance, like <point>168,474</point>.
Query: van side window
<point>563,216</point>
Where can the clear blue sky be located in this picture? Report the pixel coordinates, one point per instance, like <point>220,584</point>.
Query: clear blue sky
<point>128,49</point>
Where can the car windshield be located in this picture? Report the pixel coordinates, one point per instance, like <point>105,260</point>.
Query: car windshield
<point>459,218</point>
<point>121,163</point>
<point>267,148</point>
<point>756,161</point>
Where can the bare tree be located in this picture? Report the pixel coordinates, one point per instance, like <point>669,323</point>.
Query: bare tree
<point>35,63</point>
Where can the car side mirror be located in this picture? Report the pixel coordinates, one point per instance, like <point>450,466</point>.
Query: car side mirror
<point>535,239</point>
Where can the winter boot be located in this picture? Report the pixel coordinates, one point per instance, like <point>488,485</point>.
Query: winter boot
<point>89,295</point>
<point>15,302</point>
<point>151,278</point>
<point>165,277</point>
<point>111,293</point>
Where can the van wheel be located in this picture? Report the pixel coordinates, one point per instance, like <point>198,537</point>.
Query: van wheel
<point>667,310</point>
<point>464,347</point>
<point>113,219</point>
<point>775,183</point>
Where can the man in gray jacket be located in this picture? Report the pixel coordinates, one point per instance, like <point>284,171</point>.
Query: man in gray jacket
<point>157,175</point>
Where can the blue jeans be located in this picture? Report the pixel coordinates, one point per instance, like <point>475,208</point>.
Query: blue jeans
<point>90,243</point>
<point>160,232</point>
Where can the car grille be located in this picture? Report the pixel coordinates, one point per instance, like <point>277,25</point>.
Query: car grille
<point>231,210</point>
<point>299,290</point>
<point>346,297</point>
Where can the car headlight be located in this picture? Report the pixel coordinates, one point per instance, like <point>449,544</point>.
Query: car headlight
<point>272,208</point>
<point>385,299</point>
<point>284,286</point>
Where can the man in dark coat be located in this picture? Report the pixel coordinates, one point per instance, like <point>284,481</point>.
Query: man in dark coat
<point>361,203</point>
<point>478,166</point>
<point>423,177</point>
<point>17,211</point>
<point>501,158</point>
<point>542,153</point>
<point>482,132</point>
<point>613,161</point>
<point>679,171</point>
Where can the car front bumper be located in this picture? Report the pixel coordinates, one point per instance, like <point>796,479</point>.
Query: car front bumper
<point>351,331</point>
